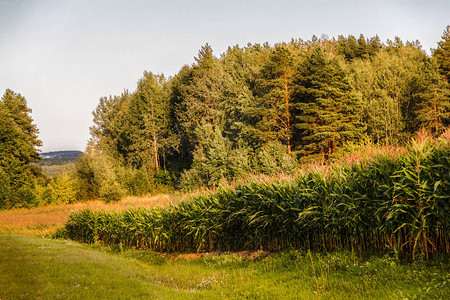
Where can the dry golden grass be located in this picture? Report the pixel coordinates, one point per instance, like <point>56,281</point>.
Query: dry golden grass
<point>41,221</point>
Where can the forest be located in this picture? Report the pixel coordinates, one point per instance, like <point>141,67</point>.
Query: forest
<point>258,109</point>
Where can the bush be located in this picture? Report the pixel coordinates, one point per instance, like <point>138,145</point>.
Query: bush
<point>214,160</point>
<point>111,193</point>
<point>97,178</point>
<point>44,193</point>
<point>273,159</point>
<point>63,188</point>
<point>136,182</point>
<point>24,197</point>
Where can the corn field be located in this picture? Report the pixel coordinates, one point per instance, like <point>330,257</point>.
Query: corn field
<point>387,204</point>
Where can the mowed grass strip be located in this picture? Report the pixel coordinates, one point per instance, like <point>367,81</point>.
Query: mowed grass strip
<point>36,268</point>
<point>41,221</point>
<point>32,268</point>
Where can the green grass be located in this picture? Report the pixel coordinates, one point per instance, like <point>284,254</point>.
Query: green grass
<point>33,268</point>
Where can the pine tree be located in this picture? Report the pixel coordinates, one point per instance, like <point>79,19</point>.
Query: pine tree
<point>18,150</point>
<point>432,107</point>
<point>442,54</point>
<point>325,107</point>
<point>351,48</point>
<point>275,97</point>
<point>347,47</point>
<point>238,102</point>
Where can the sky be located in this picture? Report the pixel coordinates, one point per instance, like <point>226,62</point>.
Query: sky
<point>62,56</point>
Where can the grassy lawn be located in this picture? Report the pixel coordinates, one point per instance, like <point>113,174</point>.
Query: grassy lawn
<point>33,267</point>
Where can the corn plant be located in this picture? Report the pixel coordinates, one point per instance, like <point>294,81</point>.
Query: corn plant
<point>397,204</point>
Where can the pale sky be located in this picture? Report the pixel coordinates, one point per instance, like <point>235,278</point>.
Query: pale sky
<point>63,55</point>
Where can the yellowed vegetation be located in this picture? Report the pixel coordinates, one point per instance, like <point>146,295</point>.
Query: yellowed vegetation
<point>40,221</point>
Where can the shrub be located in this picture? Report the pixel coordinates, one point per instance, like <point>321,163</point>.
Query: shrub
<point>63,188</point>
<point>111,193</point>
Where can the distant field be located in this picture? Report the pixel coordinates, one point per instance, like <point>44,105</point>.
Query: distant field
<point>55,170</point>
<point>41,221</point>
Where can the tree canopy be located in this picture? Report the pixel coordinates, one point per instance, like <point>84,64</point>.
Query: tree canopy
<point>266,107</point>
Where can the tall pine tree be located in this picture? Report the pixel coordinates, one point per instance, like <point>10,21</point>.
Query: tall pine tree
<point>432,100</point>
<point>325,106</point>
<point>18,150</point>
<point>442,54</point>
<point>275,96</point>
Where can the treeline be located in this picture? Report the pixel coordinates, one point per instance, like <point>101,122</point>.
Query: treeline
<point>255,109</point>
<point>265,109</point>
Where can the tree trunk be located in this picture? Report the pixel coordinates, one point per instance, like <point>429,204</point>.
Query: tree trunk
<point>288,115</point>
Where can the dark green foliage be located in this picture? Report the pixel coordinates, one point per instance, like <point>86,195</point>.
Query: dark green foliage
<point>255,109</point>
<point>351,48</point>
<point>326,109</point>
<point>147,124</point>
<point>241,67</point>
<point>273,108</point>
<point>111,193</point>
<point>442,54</point>
<point>18,150</point>
<point>86,178</point>
<point>131,140</point>
<point>389,204</point>
<point>432,100</point>
<point>272,159</point>
<point>5,188</point>
<point>397,87</point>
<point>137,182</point>
<point>99,177</point>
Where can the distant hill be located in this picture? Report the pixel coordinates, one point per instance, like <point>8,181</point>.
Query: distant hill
<point>60,154</point>
<point>58,157</point>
